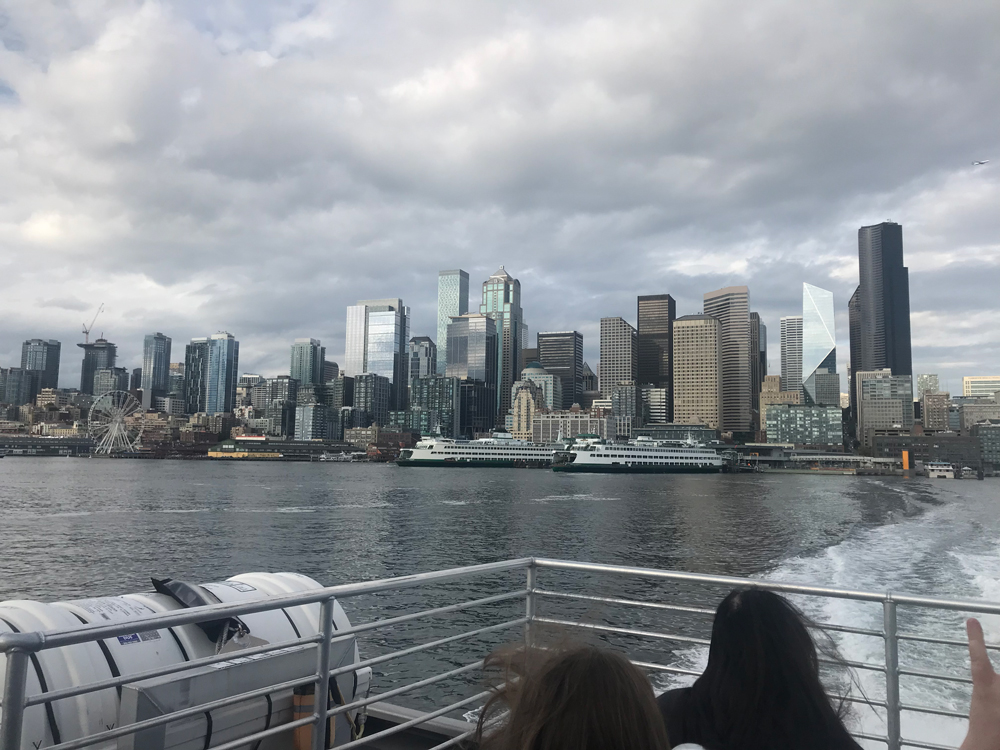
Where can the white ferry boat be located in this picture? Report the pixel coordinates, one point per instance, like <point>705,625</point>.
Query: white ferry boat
<point>501,450</point>
<point>939,470</point>
<point>640,456</point>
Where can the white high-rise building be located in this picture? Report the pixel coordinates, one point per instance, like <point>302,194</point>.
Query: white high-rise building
<point>377,341</point>
<point>820,381</point>
<point>791,353</point>
<point>619,355</point>
<point>453,301</point>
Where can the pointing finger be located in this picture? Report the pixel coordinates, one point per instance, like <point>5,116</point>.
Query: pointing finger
<point>982,668</point>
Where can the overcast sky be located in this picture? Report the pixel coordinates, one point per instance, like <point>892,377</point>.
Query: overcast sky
<point>257,167</point>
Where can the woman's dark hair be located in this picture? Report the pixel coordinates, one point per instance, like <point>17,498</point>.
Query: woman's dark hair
<point>576,698</point>
<point>762,686</point>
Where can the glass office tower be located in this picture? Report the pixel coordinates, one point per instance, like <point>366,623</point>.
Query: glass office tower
<point>223,363</point>
<point>155,368</point>
<point>43,356</point>
<point>502,302</point>
<point>307,362</point>
<point>820,382</point>
<point>453,300</point>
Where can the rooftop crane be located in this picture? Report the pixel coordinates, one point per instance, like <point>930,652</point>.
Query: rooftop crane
<point>87,329</point>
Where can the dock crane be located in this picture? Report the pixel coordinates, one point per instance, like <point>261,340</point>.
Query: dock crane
<point>87,329</point>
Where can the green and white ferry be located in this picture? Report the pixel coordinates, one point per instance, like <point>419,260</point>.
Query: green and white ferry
<point>589,453</point>
<point>501,450</point>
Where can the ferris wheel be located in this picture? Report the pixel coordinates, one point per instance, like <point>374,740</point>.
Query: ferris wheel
<point>116,423</point>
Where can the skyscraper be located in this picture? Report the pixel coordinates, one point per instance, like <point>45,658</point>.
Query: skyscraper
<point>472,357</point>
<point>195,375</point>
<point>791,353</point>
<point>758,366</point>
<point>42,356</point>
<point>155,368</point>
<point>97,355</point>
<point>883,301</point>
<point>502,302</point>
<point>697,360</point>
<point>453,300</point>
<point>820,382</point>
<point>619,355</point>
<point>731,307</point>
<point>223,364</point>
<point>561,354</point>
<point>108,379</point>
<point>308,356</point>
<point>854,330</point>
<point>423,357</point>
<point>654,342</point>
<point>927,384</point>
<point>378,332</point>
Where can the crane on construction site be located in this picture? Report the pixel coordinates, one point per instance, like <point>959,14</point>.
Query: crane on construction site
<point>87,329</point>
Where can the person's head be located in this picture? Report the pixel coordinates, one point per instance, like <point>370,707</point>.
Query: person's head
<point>762,685</point>
<point>578,698</point>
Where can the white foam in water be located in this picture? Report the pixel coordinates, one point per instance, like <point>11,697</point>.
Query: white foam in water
<point>944,552</point>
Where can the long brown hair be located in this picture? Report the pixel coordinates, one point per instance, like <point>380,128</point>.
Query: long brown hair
<point>569,698</point>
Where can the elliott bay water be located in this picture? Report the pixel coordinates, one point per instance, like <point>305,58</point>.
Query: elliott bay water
<point>73,528</point>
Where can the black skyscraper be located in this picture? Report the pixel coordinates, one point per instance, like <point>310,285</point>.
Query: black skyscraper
<point>561,353</point>
<point>883,302</point>
<point>655,343</point>
<point>97,355</point>
<point>42,356</point>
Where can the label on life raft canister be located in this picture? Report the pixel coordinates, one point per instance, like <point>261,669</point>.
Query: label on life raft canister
<point>238,585</point>
<point>113,608</point>
<point>149,635</point>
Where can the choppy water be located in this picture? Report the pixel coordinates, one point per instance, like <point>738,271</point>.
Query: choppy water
<point>71,528</point>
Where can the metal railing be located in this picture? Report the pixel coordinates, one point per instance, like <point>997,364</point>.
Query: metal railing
<point>660,597</point>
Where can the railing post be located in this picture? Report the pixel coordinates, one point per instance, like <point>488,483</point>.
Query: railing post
<point>14,689</point>
<point>321,692</point>
<point>529,602</point>
<point>891,673</point>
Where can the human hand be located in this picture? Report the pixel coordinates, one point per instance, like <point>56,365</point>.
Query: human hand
<point>984,710</point>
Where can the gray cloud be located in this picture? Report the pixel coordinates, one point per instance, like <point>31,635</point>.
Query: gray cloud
<point>201,167</point>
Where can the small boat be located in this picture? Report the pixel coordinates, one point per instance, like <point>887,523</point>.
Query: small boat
<point>336,457</point>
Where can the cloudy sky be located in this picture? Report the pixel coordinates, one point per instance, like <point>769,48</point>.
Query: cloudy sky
<point>256,167</point>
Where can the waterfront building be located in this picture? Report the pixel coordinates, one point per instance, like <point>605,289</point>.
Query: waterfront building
<point>820,381</point>
<point>308,356</point>
<point>442,395</point>
<point>550,384</point>
<point>42,356</point>
<point>655,403</point>
<point>372,394</point>
<point>934,411</point>
<point>880,310</point>
<point>731,307</point>
<point>377,336</point>
<point>980,386</point>
<point>771,393</point>
<point>809,425</point>
<point>619,354</point>
<point>988,434</point>
<point>758,366</point>
<point>791,353</point>
<point>109,379</point>
<point>423,357</point>
<point>155,368</point>
<point>97,355</point>
<point>502,302</point>
<point>222,373</point>
<point>654,343</point>
<point>453,302</point>
<point>927,384</point>
<point>589,380</point>
<point>885,402</point>
<point>20,386</point>
<point>957,450</point>
<point>312,422</point>
<point>697,370</point>
<point>970,414</point>
<point>552,426</point>
<point>331,371</point>
<point>526,401</point>
<point>472,356</point>
<point>195,375</point>
<point>561,354</point>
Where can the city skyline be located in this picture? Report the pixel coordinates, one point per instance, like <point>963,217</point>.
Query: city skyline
<point>110,199</point>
